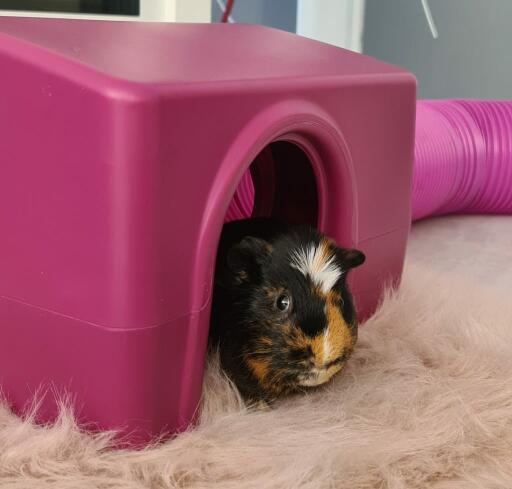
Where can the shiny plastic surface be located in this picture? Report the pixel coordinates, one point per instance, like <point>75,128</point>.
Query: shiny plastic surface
<point>121,147</point>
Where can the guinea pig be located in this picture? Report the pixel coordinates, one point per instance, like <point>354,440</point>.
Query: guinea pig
<point>282,316</point>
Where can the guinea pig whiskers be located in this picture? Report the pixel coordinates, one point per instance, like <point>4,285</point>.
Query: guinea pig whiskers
<point>258,353</point>
<point>340,359</point>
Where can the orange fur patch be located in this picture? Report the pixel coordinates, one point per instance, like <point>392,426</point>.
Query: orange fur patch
<point>339,333</point>
<point>258,367</point>
<point>265,341</point>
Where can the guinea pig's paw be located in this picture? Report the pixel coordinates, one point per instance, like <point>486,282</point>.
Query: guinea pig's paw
<point>260,405</point>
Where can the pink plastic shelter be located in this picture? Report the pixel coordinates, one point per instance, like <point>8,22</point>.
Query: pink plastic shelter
<point>121,146</point>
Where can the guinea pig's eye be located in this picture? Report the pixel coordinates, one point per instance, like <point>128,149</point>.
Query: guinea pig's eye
<point>283,303</point>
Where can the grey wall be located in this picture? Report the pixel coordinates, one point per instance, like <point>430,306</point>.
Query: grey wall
<point>281,14</point>
<point>471,58</point>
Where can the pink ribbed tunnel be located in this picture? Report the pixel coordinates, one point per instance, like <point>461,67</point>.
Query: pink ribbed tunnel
<point>462,161</point>
<point>462,158</point>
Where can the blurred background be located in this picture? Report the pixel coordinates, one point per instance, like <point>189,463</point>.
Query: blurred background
<point>470,58</point>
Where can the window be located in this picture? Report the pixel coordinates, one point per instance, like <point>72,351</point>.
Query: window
<point>107,7</point>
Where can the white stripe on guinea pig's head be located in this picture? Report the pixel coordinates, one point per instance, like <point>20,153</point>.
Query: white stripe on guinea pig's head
<point>319,263</point>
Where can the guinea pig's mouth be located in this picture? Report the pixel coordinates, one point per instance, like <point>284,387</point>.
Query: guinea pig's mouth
<point>318,376</point>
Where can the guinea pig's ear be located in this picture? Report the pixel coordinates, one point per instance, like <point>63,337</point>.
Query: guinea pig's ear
<point>350,258</point>
<point>246,257</point>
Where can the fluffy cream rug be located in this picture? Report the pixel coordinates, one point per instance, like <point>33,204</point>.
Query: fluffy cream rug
<point>425,402</point>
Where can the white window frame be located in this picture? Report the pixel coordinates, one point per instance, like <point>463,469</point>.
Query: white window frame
<point>338,22</point>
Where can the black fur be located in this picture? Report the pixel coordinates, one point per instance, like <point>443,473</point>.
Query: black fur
<point>253,260</point>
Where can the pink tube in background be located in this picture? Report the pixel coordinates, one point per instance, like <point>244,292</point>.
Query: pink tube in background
<point>462,161</point>
<point>462,158</point>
